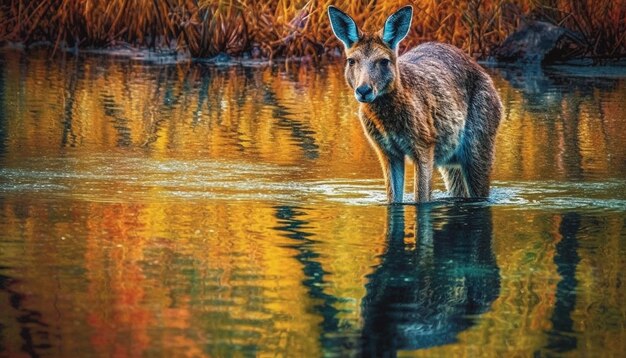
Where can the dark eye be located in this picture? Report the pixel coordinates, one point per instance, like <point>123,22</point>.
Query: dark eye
<point>384,62</point>
<point>351,62</point>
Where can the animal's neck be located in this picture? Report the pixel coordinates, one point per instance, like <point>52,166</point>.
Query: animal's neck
<point>388,103</point>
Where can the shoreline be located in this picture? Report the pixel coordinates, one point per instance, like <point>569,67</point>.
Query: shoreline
<point>172,56</point>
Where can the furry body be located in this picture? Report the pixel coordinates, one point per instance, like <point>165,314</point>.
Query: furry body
<point>434,105</point>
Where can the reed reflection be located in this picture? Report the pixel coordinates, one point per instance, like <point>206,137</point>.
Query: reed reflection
<point>22,324</point>
<point>560,337</point>
<point>546,89</point>
<point>561,127</point>
<point>68,138</point>
<point>33,331</point>
<point>293,225</point>
<point>562,99</point>
<point>3,122</point>
<point>301,133</point>
<point>425,293</point>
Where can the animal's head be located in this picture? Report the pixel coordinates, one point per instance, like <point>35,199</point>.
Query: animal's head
<point>371,65</point>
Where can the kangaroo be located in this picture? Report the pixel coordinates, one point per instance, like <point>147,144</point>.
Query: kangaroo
<point>434,104</point>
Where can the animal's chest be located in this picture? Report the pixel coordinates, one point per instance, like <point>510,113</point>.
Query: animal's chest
<point>392,138</point>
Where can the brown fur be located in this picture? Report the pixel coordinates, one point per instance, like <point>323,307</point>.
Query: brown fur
<point>434,105</point>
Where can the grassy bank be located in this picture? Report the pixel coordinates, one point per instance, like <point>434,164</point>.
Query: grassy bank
<point>282,28</point>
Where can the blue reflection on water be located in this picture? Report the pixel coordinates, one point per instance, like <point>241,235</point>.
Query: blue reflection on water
<point>424,294</point>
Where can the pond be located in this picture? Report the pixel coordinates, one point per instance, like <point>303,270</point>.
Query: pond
<point>162,210</point>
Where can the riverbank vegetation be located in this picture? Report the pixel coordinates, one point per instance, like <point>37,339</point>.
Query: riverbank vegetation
<point>284,28</point>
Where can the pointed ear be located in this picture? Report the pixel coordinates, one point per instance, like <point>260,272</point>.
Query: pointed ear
<point>343,26</point>
<point>397,26</point>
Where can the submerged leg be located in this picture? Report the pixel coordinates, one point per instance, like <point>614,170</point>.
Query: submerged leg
<point>476,174</point>
<point>397,179</point>
<point>475,160</point>
<point>424,230</point>
<point>477,151</point>
<point>393,169</point>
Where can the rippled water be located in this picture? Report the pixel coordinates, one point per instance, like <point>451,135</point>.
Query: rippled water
<point>150,210</point>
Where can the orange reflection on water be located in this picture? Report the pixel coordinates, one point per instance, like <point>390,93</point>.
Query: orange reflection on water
<point>201,211</point>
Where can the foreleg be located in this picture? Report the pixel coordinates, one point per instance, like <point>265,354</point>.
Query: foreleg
<point>424,175</point>
<point>393,169</point>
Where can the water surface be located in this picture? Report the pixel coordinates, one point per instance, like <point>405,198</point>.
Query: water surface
<point>153,210</point>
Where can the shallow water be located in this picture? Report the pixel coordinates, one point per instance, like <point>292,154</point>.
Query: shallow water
<point>193,210</point>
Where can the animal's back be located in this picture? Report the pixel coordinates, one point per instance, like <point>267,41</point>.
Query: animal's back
<point>447,65</point>
<point>459,94</point>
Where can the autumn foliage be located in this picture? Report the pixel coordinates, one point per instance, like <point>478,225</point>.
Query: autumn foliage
<point>284,28</point>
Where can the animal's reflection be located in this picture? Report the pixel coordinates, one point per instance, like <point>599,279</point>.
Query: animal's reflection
<point>425,293</point>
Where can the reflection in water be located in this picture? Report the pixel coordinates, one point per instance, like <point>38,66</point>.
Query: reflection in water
<point>33,331</point>
<point>3,119</point>
<point>152,210</point>
<point>561,126</point>
<point>69,137</point>
<point>203,95</point>
<point>561,337</point>
<point>112,111</point>
<point>544,90</point>
<point>560,102</point>
<point>294,227</point>
<point>425,293</point>
<point>303,136</point>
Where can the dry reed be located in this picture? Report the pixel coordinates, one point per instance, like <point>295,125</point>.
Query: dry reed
<point>286,28</point>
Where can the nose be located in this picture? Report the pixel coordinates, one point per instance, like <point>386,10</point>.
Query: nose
<point>364,91</point>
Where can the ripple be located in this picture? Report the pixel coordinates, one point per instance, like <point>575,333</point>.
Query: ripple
<point>560,195</point>
<point>106,178</point>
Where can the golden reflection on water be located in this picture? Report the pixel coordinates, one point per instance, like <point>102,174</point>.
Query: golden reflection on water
<point>301,116</point>
<point>199,211</point>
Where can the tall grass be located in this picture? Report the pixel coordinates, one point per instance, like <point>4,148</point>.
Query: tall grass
<point>271,28</point>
